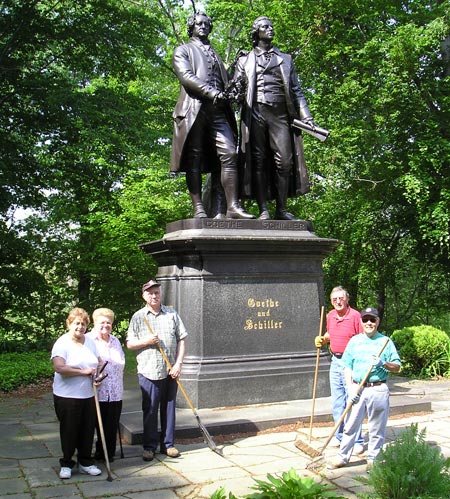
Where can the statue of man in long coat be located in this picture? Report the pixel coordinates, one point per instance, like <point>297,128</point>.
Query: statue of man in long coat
<point>205,132</point>
<point>271,151</point>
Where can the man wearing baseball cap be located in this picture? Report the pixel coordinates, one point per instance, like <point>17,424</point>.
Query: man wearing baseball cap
<point>153,327</point>
<point>361,353</point>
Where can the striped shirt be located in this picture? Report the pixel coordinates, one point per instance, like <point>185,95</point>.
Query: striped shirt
<point>169,328</point>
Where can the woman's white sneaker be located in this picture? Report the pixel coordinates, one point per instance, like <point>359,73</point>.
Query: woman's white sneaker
<point>89,470</point>
<point>65,473</point>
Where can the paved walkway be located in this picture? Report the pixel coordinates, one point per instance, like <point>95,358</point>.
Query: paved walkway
<point>30,448</point>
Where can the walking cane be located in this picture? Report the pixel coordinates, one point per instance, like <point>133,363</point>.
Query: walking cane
<point>100,377</point>
<point>120,441</point>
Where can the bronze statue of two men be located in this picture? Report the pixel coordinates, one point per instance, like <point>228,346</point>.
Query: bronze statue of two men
<point>268,163</point>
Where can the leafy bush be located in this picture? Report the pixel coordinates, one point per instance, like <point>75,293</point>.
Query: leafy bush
<point>288,486</point>
<point>422,350</point>
<point>221,494</point>
<point>411,468</point>
<point>17,369</point>
<point>441,366</point>
<point>15,340</point>
<point>23,368</point>
<point>130,360</point>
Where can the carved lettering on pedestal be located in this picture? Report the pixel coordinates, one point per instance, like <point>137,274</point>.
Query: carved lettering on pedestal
<point>284,225</point>
<point>233,224</point>
<point>224,224</point>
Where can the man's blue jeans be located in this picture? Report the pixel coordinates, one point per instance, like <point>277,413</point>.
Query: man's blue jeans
<point>339,396</point>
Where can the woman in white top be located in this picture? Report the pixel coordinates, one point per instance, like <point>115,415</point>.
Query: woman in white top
<point>110,393</point>
<point>75,359</point>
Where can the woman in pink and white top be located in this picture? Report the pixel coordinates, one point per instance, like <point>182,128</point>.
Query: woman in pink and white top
<point>110,392</point>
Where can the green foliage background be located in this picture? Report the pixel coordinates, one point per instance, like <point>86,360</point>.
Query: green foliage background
<point>86,97</point>
<point>424,350</point>
<point>23,368</point>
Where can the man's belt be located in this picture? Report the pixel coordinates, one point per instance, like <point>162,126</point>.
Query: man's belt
<point>370,383</point>
<point>337,355</point>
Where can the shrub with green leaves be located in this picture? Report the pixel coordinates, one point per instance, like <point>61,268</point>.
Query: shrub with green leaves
<point>423,350</point>
<point>411,468</point>
<point>21,369</point>
<point>288,486</point>
<point>221,494</point>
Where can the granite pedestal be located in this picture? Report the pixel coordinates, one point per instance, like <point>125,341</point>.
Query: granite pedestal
<point>250,294</point>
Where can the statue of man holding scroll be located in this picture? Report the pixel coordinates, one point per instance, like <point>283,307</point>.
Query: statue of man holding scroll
<point>271,149</point>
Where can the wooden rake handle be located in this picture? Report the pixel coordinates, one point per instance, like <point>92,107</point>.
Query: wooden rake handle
<point>350,403</point>
<point>169,365</point>
<point>209,440</point>
<point>316,372</point>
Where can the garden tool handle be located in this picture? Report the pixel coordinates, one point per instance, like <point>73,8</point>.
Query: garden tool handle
<point>350,402</point>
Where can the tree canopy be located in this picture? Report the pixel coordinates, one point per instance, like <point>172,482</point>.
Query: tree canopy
<point>86,98</point>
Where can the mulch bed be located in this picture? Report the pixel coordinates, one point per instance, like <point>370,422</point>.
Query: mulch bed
<point>222,439</point>
<point>33,391</point>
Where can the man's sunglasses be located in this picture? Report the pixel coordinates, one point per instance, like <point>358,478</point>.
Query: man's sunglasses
<point>369,319</point>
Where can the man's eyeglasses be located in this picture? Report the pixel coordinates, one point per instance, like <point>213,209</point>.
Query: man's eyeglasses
<point>369,319</point>
<point>338,298</point>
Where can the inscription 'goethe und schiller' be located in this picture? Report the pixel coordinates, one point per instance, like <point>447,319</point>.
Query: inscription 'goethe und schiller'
<point>298,225</point>
<point>262,312</point>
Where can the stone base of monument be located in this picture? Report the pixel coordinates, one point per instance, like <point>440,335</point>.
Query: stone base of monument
<point>249,293</point>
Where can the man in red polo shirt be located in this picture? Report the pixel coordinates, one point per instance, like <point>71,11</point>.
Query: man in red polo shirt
<point>343,322</point>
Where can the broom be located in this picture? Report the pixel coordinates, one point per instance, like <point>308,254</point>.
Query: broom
<point>202,427</point>
<point>322,313</point>
<point>303,446</point>
<point>320,458</point>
